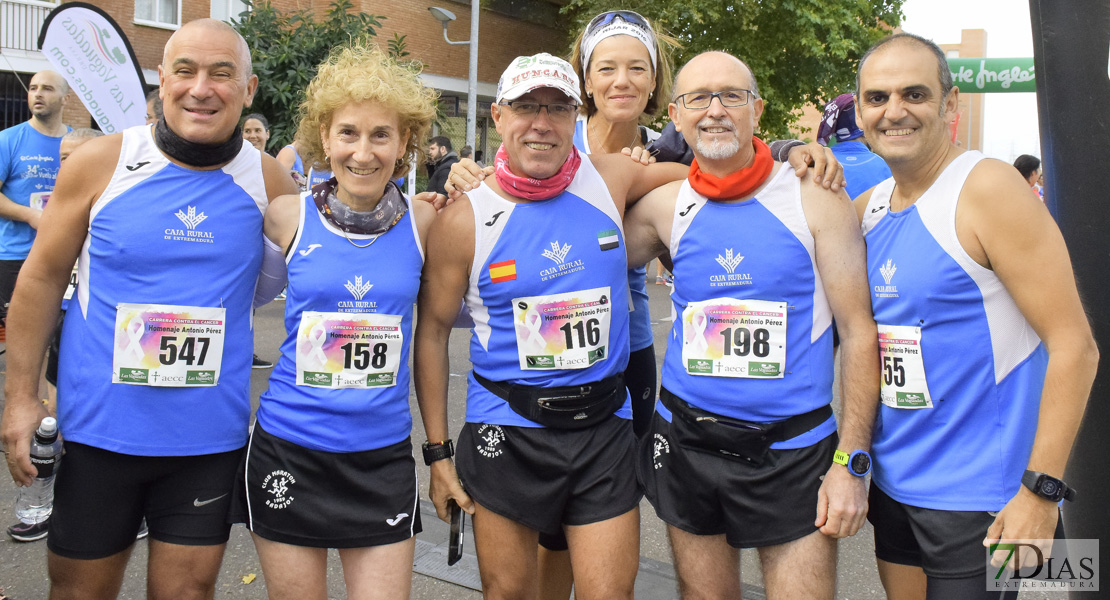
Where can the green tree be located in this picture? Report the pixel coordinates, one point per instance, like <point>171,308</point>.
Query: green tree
<point>286,48</point>
<point>801,51</point>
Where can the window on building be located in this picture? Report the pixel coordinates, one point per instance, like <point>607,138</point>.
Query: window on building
<point>228,10</point>
<point>158,12</point>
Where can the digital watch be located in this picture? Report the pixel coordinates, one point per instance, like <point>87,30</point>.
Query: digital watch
<point>438,451</point>
<point>1047,487</point>
<point>858,462</point>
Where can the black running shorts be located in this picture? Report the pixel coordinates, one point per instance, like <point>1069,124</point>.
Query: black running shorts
<point>545,478</point>
<point>709,494</point>
<point>303,497</point>
<point>101,497</point>
<point>946,544</point>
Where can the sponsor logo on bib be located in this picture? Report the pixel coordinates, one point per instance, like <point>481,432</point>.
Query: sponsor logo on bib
<point>200,377</point>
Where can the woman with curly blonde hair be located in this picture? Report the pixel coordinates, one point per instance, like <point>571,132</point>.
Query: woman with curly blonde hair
<point>330,464</point>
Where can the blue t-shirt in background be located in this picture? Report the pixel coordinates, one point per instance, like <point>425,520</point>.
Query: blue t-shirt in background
<point>863,169</point>
<point>28,167</point>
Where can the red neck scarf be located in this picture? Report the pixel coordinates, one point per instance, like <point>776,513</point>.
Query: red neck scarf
<point>537,189</point>
<point>738,184</point>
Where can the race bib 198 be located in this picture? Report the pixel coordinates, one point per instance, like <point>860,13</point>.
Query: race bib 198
<point>168,346</point>
<point>903,382</point>
<point>724,337</point>
<point>348,350</point>
<point>563,331</point>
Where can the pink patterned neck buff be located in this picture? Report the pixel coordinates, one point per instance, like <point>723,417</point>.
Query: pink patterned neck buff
<point>535,189</point>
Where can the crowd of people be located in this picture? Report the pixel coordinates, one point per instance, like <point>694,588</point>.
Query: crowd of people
<point>912,262</point>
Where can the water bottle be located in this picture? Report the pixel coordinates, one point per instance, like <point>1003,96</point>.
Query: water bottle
<point>37,500</point>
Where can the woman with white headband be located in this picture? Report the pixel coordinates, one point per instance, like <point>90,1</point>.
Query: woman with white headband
<point>626,80</point>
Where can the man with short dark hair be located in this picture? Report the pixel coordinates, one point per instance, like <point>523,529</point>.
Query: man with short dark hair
<point>154,380</point>
<point>28,168</point>
<point>743,451</point>
<point>440,159</point>
<point>987,355</point>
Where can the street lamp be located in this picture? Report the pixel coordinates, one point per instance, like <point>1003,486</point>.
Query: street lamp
<point>445,16</point>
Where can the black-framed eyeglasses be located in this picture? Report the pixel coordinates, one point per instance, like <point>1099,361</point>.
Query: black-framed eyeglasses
<point>728,98</point>
<point>607,17</point>
<point>562,111</point>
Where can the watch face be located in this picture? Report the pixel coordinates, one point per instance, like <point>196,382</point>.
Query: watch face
<point>861,463</point>
<point>1049,487</point>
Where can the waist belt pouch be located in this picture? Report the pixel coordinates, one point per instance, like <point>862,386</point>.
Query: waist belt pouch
<point>703,431</point>
<point>562,407</point>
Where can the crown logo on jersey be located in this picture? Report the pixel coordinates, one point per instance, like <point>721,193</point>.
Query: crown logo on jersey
<point>728,261</point>
<point>358,289</point>
<point>887,270</point>
<point>556,253</point>
<point>191,219</point>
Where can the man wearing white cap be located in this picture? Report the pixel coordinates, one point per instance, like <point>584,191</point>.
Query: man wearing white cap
<point>538,255</point>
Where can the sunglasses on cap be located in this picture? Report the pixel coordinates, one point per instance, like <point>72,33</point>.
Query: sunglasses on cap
<point>606,18</point>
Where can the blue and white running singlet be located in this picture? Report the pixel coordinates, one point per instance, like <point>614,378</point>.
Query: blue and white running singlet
<point>962,368</point>
<point>342,382</point>
<point>157,344</point>
<point>752,337</point>
<point>548,293</point>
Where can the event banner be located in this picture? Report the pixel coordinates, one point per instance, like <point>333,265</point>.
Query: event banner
<point>87,47</point>
<point>985,75</point>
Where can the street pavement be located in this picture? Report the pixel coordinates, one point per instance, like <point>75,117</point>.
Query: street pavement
<point>23,566</point>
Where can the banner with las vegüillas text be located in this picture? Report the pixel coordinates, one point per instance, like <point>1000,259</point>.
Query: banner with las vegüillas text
<point>87,47</point>
<point>986,75</point>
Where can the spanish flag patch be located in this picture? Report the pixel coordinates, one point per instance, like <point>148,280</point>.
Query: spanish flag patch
<point>502,271</point>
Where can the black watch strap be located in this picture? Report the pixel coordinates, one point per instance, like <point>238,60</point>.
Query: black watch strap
<point>438,451</point>
<point>1047,486</point>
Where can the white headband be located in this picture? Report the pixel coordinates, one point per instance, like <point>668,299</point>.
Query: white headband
<point>618,26</point>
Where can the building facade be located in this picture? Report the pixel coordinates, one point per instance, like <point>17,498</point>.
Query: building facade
<point>507,28</point>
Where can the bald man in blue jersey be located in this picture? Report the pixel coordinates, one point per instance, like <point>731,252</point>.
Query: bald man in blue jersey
<point>154,380</point>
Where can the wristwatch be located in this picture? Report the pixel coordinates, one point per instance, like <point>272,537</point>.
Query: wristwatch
<point>858,462</point>
<point>438,451</point>
<point>1047,487</point>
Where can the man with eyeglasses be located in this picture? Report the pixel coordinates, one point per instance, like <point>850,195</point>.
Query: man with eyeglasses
<point>743,451</point>
<point>538,254</point>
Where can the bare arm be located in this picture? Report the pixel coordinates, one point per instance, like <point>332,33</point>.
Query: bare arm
<point>860,204</point>
<point>1005,228</point>
<point>282,218</point>
<point>443,284</point>
<point>827,171</point>
<point>13,211</point>
<point>630,180</point>
<point>424,213</point>
<point>647,225</point>
<point>38,294</point>
<point>278,182</point>
<point>842,263</point>
<point>287,157</point>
